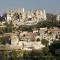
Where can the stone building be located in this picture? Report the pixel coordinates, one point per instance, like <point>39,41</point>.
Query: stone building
<point>22,16</point>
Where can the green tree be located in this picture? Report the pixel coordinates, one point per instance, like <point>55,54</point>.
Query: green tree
<point>54,47</point>
<point>13,55</point>
<point>9,27</point>
<point>4,55</point>
<point>44,42</point>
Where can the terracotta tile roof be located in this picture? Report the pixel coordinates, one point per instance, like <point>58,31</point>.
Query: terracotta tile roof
<point>54,30</point>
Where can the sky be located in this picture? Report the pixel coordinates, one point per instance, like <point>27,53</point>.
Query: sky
<point>48,5</point>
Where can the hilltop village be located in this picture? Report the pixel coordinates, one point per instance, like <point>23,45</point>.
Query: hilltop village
<point>28,29</point>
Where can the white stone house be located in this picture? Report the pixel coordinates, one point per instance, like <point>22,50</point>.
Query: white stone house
<point>58,17</point>
<point>14,39</point>
<point>31,45</point>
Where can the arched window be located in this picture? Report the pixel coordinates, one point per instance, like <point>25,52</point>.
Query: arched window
<point>38,39</point>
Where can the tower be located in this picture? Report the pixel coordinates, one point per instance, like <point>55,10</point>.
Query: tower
<point>23,10</point>
<point>44,14</point>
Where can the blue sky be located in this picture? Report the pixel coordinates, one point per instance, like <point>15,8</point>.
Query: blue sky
<point>48,5</point>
